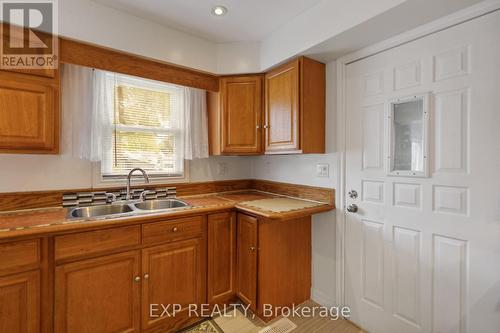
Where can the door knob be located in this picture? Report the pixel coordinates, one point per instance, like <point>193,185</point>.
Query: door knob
<point>352,208</point>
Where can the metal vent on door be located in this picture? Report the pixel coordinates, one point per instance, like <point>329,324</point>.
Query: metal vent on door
<point>284,325</point>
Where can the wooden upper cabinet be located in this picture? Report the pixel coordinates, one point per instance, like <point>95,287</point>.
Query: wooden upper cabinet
<point>29,113</point>
<point>247,247</point>
<point>282,108</point>
<point>20,303</point>
<point>99,295</point>
<point>221,257</point>
<point>295,108</point>
<point>235,115</point>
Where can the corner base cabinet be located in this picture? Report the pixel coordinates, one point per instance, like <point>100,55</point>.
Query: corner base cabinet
<point>274,263</point>
<point>221,277</point>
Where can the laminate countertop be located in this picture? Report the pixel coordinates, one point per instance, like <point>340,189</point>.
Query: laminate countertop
<point>261,204</point>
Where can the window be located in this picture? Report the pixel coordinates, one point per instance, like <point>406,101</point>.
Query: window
<point>144,129</point>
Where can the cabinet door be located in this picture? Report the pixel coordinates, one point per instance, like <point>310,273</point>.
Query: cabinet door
<point>221,257</point>
<point>20,303</point>
<point>247,259</point>
<point>29,114</point>
<point>241,114</point>
<point>173,275</point>
<point>282,109</point>
<point>99,295</point>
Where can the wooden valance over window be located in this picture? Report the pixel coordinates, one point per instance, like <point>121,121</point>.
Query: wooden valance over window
<point>83,54</point>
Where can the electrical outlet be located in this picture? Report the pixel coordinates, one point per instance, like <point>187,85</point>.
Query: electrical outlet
<point>322,170</point>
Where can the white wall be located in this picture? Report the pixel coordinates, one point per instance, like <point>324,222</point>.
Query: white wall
<point>301,169</point>
<point>321,22</point>
<point>235,58</point>
<point>89,21</point>
<point>92,22</point>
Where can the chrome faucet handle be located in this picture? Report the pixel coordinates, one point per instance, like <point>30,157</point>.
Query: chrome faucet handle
<point>144,193</point>
<point>111,197</point>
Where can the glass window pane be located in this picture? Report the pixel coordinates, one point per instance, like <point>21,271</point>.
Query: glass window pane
<point>153,152</point>
<point>142,107</point>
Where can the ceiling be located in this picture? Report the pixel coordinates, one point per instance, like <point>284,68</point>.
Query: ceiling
<point>245,21</point>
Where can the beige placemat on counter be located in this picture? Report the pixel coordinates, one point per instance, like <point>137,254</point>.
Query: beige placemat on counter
<point>280,205</point>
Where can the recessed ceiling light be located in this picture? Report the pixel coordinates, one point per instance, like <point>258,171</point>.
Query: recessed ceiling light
<point>219,10</point>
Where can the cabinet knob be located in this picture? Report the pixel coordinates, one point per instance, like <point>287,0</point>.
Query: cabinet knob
<point>146,276</point>
<point>175,229</point>
<point>266,126</point>
<point>137,279</point>
<point>257,127</point>
<point>252,248</point>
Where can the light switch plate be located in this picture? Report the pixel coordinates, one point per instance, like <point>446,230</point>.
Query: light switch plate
<point>322,170</point>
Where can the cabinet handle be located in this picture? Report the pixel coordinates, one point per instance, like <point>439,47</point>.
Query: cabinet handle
<point>175,229</point>
<point>137,279</point>
<point>146,276</point>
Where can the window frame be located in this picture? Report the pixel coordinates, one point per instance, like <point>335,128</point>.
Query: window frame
<point>101,178</point>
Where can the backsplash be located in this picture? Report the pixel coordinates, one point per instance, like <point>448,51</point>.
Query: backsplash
<point>81,199</point>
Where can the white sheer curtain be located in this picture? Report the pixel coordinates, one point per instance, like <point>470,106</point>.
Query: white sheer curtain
<point>87,113</point>
<point>195,123</point>
<point>76,102</point>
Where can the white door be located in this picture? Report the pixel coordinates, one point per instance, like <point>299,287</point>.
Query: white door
<point>423,254</point>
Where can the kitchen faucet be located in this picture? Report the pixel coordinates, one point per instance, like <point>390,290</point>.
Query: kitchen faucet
<point>144,174</point>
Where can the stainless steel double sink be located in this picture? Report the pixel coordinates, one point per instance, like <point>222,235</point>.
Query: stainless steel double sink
<point>118,209</point>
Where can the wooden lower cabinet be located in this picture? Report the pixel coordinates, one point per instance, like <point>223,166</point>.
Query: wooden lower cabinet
<point>221,286</point>
<point>173,274</point>
<point>274,263</point>
<point>99,295</point>
<point>247,259</point>
<point>284,264</point>
<point>20,303</point>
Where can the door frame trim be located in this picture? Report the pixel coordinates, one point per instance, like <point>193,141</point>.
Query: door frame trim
<point>462,16</point>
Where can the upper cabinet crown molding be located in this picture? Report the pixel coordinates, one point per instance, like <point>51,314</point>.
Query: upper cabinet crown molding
<point>295,108</point>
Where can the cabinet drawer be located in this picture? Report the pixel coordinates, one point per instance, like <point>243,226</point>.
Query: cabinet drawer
<point>20,255</point>
<point>92,242</point>
<point>172,230</point>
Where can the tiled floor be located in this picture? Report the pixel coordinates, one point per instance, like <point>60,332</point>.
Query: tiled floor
<point>241,324</point>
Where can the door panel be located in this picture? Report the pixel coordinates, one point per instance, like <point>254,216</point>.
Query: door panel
<point>20,303</point>
<point>282,108</point>
<point>247,259</point>
<point>172,274</point>
<point>98,295</point>
<point>241,114</point>
<point>419,250</point>
<point>221,257</point>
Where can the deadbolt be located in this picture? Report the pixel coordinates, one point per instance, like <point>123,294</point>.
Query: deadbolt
<point>352,208</point>
<point>353,194</point>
